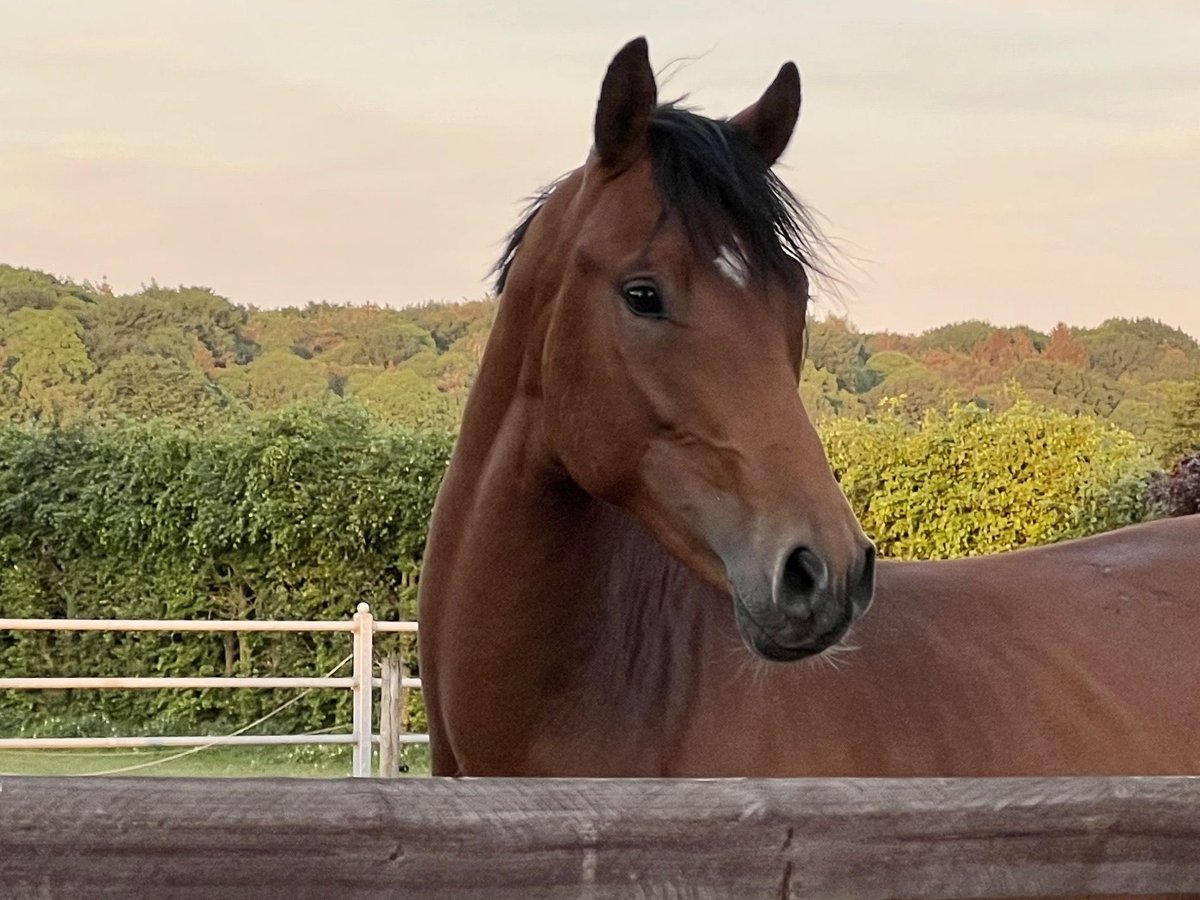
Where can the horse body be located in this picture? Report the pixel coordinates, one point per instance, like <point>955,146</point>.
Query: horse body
<point>1078,658</point>
<point>638,515</point>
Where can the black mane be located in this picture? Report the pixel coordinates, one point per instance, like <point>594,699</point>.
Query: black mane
<point>726,196</point>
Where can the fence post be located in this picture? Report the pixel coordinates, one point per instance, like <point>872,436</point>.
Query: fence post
<point>364,633</point>
<point>391,715</point>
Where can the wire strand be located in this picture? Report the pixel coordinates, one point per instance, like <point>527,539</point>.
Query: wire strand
<point>193,750</point>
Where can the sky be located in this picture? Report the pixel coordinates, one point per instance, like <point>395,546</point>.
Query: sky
<point>1021,162</point>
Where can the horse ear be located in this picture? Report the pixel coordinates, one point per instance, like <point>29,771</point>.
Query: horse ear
<point>627,100</point>
<point>769,123</point>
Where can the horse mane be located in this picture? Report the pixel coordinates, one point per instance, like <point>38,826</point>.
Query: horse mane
<point>725,194</point>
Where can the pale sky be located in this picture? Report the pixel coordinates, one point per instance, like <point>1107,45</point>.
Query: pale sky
<point>1022,162</point>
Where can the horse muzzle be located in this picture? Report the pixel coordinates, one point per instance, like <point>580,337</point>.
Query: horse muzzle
<point>801,608</point>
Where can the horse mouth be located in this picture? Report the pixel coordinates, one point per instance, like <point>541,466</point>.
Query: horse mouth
<point>774,645</point>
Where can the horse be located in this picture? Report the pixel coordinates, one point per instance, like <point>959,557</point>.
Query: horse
<point>640,563</point>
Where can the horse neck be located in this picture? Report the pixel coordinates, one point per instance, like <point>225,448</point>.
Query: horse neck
<point>579,600</point>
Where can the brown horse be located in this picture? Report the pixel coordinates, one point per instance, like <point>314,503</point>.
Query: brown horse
<point>637,496</point>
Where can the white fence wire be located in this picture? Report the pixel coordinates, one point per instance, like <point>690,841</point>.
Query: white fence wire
<point>362,681</point>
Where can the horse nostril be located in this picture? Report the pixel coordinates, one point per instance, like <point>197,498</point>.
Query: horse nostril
<point>868,569</point>
<point>804,574</point>
<point>863,587</point>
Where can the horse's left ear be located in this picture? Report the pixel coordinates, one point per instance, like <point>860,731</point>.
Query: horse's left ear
<point>769,123</point>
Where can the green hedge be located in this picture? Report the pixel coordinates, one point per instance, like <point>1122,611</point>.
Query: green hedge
<point>970,482</point>
<point>300,515</point>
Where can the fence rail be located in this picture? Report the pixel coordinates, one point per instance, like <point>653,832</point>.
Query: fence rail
<point>362,628</point>
<point>550,838</point>
<point>208,625</point>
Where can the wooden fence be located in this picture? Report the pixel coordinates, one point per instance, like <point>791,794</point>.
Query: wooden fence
<point>526,838</point>
<point>362,628</point>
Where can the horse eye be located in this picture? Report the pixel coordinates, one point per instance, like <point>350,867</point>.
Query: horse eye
<point>643,299</point>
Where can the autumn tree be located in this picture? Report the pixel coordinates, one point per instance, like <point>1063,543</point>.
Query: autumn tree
<point>1004,349</point>
<point>957,366</point>
<point>1064,348</point>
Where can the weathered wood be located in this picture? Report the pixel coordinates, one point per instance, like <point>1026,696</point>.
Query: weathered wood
<point>861,838</point>
<point>391,715</point>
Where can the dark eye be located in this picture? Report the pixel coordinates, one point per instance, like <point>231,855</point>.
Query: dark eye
<point>643,299</point>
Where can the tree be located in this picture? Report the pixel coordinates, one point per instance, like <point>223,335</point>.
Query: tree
<point>31,289</point>
<point>912,391</point>
<point>1174,364</point>
<point>154,387</point>
<point>401,396</point>
<point>957,366</point>
<point>344,335</point>
<point>837,347</point>
<point>1122,347</point>
<point>823,399</point>
<point>1003,350</point>
<point>189,324</point>
<point>1064,348</point>
<point>1067,388</point>
<point>889,340</point>
<point>377,337</point>
<point>449,323</point>
<point>1183,434</point>
<point>961,337</point>
<point>888,362</point>
<point>48,362</point>
<point>276,379</point>
<point>451,372</point>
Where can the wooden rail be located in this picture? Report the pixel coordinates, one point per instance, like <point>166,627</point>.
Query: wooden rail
<point>523,838</point>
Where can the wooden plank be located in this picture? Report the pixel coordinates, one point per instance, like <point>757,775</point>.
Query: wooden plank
<point>859,838</point>
<point>391,714</point>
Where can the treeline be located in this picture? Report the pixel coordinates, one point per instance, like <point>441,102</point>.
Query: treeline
<point>73,353</point>
<point>76,353</point>
<point>1139,374</point>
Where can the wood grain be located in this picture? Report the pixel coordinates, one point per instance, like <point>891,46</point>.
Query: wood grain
<point>510,838</point>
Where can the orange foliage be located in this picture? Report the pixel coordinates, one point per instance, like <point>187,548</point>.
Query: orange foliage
<point>1064,347</point>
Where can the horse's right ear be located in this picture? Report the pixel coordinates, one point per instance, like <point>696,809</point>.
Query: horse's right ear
<point>627,100</point>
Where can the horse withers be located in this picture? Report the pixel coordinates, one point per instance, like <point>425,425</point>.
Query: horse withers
<point>639,537</point>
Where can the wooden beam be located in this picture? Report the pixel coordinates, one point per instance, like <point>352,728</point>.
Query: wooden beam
<point>391,714</point>
<point>519,838</point>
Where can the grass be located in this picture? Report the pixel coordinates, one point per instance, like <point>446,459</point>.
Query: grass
<point>215,762</point>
